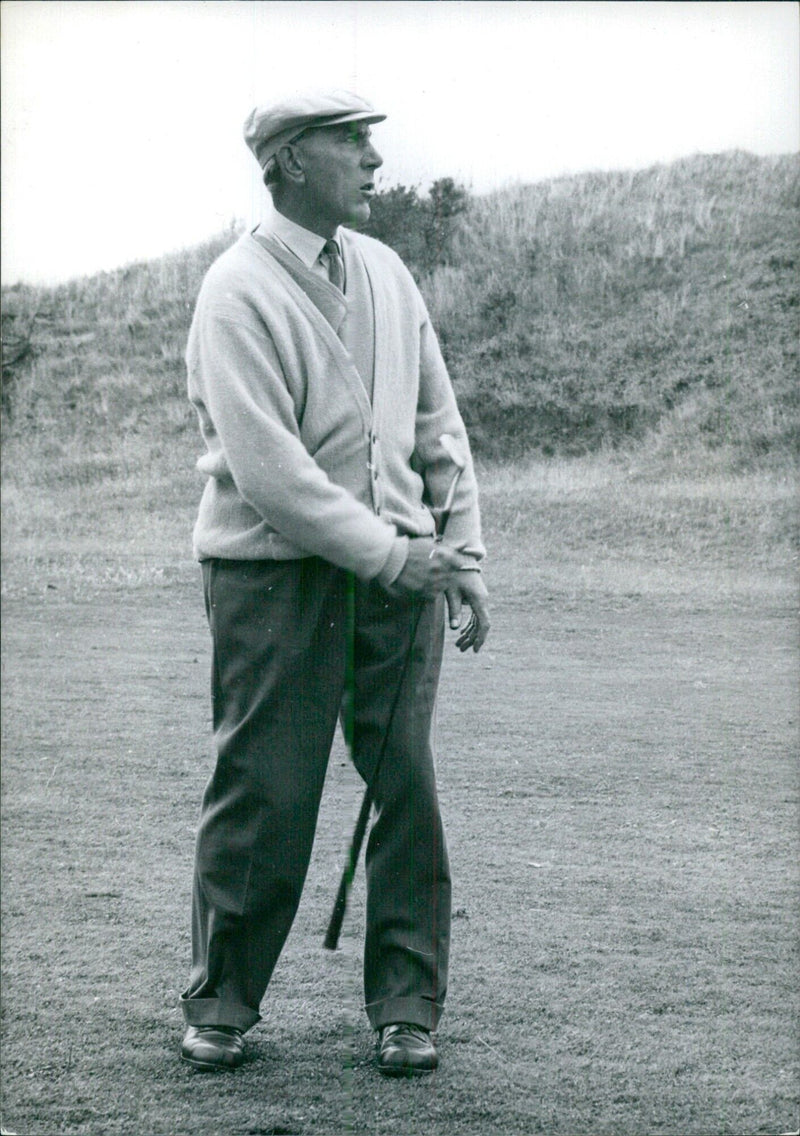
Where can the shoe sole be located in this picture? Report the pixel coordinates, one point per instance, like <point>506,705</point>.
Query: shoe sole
<point>405,1071</point>
<point>208,1066</point>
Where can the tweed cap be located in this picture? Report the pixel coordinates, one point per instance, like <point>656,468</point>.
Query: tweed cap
<point>267,128</point>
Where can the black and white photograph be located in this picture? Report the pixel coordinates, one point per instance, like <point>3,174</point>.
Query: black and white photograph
<point>400,413</point>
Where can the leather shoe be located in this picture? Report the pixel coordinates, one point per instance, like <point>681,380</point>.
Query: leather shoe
<point>406,1050</point>
<point>209,1048</point>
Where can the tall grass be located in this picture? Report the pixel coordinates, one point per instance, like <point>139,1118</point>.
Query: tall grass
<point>596,309</point>
<point>107,350</point>
<point>656,309</point>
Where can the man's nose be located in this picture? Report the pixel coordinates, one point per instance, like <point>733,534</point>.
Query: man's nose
<point>372,158</point>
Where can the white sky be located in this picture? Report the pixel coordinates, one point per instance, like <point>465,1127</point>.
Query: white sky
<point>122,119</point>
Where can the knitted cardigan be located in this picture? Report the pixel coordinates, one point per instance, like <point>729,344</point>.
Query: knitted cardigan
<point>299,462</point>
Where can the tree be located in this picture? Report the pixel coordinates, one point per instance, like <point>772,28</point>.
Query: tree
<point>419,229</point>
<point>445,202</point>
<point>397,218</point>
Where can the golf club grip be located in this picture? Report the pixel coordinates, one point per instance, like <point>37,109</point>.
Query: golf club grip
<point>331,941</point>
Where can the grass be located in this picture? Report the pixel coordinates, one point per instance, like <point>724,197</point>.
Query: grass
<point>612,305</point>
<point>576,315</point>
<point>618,776</point>
<point>613,523</point>
<point>603,525</point>
<point>617,767</point>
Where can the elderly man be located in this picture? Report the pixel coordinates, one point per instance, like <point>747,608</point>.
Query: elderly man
<point>322,398</point>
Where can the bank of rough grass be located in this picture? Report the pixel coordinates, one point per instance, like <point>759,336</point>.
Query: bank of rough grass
<point>577,314</point>
<point>592,310</point>
<point>630,330</point>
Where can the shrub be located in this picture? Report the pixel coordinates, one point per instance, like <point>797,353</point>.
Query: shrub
<point>420,229</point>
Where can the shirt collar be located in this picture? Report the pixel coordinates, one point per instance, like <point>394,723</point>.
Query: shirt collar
<point>302,242</point>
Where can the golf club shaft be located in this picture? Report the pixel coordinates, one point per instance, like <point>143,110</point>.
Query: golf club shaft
<point>348,729</point>
<point>331,940</point>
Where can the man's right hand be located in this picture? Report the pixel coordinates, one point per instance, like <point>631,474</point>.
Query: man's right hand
<point>430,567</point>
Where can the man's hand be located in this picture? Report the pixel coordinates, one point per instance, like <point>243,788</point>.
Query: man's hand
<point>469,589</point>
<point>431,567</point>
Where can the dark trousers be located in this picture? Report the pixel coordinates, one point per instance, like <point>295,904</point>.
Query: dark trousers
<point>280,645</point>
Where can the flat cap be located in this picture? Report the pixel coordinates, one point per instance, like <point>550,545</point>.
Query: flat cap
<point>267,128</point>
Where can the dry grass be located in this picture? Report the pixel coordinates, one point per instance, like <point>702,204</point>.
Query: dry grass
<point>574,314</point>
<point>598,524</point>
<point>613,305</point>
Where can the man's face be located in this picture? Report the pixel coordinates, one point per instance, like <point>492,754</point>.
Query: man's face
<point>339,164</point>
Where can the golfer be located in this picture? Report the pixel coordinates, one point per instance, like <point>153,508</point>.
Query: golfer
<point>322,398</point>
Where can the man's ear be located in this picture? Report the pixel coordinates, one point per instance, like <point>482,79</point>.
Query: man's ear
<point>291,164</point>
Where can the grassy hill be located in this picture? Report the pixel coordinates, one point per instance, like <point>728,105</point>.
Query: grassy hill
<point>583,312</point>
<point>610,307</point>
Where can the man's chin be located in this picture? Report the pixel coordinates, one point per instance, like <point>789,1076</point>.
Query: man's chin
<point>360,216</point>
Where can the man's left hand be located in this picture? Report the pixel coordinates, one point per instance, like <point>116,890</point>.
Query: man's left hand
<point>470,590</point>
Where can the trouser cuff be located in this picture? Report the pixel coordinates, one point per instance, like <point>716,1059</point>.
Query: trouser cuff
<point>415,1011</point>
<point>216,1012</point>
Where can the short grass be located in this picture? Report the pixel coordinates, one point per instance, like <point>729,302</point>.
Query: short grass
<point>618,774</point>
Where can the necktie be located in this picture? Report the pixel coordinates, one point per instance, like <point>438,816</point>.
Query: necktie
<point>335,265</point>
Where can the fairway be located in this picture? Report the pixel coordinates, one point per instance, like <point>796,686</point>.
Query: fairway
<point>619,783</point>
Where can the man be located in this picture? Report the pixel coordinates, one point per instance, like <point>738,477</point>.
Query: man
<point>322,398</point>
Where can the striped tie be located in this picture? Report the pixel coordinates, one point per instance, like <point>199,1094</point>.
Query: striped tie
<point>335,265</point>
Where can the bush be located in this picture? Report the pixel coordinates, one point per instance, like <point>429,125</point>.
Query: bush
<point>421,230</point>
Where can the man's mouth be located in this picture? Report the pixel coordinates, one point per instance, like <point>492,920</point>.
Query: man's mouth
<point>368,188</point>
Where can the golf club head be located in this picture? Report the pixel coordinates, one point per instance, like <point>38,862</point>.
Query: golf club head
<point>451,448</point>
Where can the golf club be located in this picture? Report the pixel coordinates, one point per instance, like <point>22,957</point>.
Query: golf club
<point>331,941</point>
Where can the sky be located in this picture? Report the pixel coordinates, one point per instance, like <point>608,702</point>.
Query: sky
<point>122,119</point>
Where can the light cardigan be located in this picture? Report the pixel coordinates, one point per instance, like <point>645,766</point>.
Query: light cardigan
<point>299,462</point>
